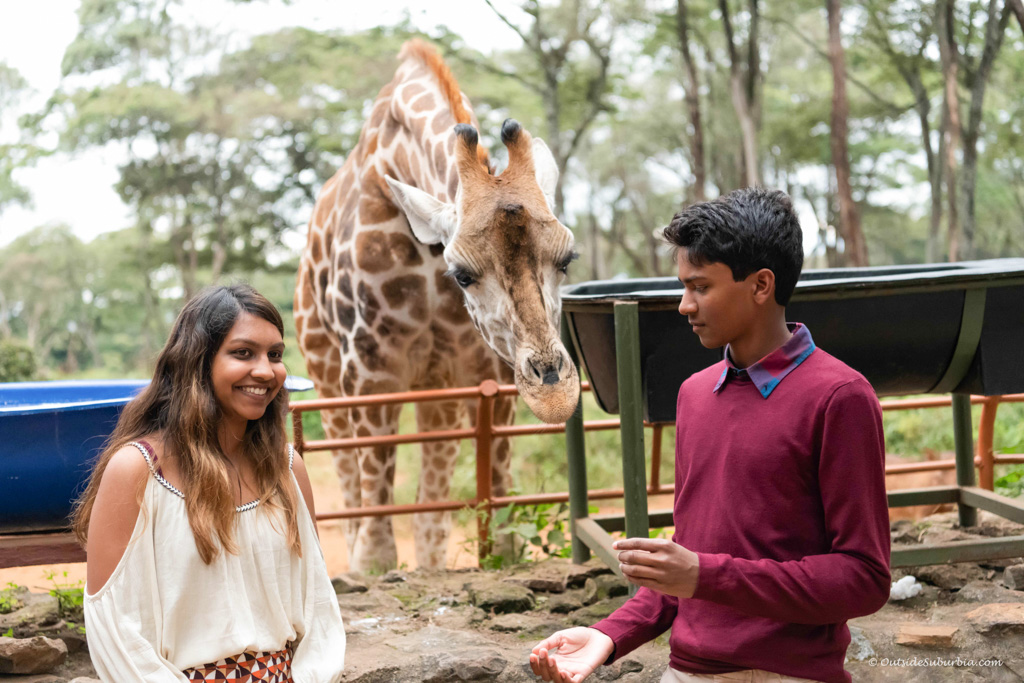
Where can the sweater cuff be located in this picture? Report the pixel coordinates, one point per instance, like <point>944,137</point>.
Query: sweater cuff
<point>710,575</point>
<point>623,641</point>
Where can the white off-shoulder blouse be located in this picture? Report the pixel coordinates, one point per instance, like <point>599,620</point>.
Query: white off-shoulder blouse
<point>164,610</point>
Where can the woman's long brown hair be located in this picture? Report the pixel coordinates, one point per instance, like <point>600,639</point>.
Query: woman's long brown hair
<point>180,403</point>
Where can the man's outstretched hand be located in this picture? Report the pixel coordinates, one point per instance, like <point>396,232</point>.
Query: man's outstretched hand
<point>580,651</point>
<point>659,564</point>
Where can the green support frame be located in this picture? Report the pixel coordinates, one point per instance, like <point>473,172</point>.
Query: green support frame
<point>592,533</point>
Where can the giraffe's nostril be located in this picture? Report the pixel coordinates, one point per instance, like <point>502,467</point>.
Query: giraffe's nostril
<point>551,375</point>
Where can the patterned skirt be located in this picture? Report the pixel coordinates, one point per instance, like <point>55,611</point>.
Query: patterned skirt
<point>248,667</point>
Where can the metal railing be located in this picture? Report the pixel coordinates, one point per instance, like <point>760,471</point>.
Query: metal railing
<point>486,431</point>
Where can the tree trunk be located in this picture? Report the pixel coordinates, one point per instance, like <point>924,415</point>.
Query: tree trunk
<point>1017,7</point>
<point>995,28</point>
<point>692,104</point>
<point>741,103</point>
<point>948,54</point>
<point>855,252</point>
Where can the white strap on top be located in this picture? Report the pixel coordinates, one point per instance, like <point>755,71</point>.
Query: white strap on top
<point>291,456</point>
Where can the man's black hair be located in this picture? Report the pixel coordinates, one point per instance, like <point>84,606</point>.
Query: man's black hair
<point>746,230</point>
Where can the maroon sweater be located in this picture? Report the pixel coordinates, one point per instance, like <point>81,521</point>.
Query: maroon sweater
<point>783,498</point>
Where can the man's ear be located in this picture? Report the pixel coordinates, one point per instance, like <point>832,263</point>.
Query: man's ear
<point>546,170</point>
<point>764,285</point>
<point>432,221</point>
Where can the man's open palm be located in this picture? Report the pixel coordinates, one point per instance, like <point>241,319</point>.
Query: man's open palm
<point>580,651</point>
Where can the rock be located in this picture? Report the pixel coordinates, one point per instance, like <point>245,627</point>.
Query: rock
<point>618,670</point>
<point>1013,577</point>
<point>950,576</point>
<point>590,592</point>
<point>860,647</point>
<point>547,576</point>
<point>998,618</point>
<point>451,655</point>
<point>39,610</point>
<point>566,602</point>
<point>985,592</point>
<point>587,616</point>
<point>926,635</point>
<point>83,679</point>
<point>31,655</point>
<point>395,576</point>
<point>500,597</point>
<point>904,531</point>
<point>343,583</point>
<point>611,586</point>
<point>38,678</point>
<point>373,602</point>
<point>579,573</point>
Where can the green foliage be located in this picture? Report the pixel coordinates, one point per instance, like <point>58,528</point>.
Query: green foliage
<point>532,531</point>
<point>8,602</point>
<point>17,362</point>
<point>70,597</point>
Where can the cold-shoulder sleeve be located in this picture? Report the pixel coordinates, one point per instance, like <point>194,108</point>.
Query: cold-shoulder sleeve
<point>320,654</point>
<point>122,618</point>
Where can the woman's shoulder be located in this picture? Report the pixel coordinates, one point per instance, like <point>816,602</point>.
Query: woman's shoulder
<point>127,464</point>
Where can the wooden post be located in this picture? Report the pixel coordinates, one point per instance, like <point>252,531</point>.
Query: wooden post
<point>576,453</point>
<point>484,485</point>
<point>963,437</point>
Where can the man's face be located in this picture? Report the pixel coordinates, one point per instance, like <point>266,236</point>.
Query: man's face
<point>719,309</point>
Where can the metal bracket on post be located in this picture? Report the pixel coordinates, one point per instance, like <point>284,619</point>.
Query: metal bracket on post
<point>576,453</point>
<point>634,474</point>
<point>972,318</point>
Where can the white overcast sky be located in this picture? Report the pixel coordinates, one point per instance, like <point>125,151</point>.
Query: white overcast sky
<point>79,190</point>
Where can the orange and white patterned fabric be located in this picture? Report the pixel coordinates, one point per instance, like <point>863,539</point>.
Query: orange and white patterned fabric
<point>248,667</point>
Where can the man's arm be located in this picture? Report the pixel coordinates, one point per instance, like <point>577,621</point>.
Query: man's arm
<point>851,580</point>
<point>643,618</point>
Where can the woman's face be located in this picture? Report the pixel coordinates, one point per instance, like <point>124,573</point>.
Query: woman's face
<point>248,370</point>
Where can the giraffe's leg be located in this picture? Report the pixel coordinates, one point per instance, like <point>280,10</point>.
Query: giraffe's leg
<point>438,463</point>
<point>324,364</point>
<point>374,548</point>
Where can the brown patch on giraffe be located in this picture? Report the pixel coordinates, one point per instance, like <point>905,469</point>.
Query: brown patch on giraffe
<point>323,213</point>
<point>469,338</point>
<point>404,250</point>
<point>444,341</point>
<point>344,343</point>
<point>375,205</point>
<point>371,148</point>
<point>443,120</point>
<point>379,110</point>
<point>368,349</point>
<point>414,165</point>
<point>373,415</point>
<point>451,144</point>
<point>367,303</point>
<point>345,285</point>
<point>373,253</point>
<point>389,130</point>
<point>402,163</point>
<point>333,374</point>
<point>343,261</point>
<point>394,330</point>
<point>348,378</point>
<point>389,471</point>
<point>410,91</point>
<point>322,278</point>
<point>424,103</point>
<point>440,163</point>
<point>344,313</point>
<point>363,430</point>
<point>357,415</point>
<point>407,291</point>
<point>416,127</point>
<point>436,250</point>
<point>451,307</point>
<point>317,340</point>
<point>305,296</point>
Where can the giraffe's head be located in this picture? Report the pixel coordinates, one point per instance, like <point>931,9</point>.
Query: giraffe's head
<point>509,254</point>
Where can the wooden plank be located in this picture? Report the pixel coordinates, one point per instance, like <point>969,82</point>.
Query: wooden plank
<point>598,540</point>
<point>1008,508</point>
<point>929,495</point>
<point>958,551</point>
<point>27,550</point>
<point>616,522</point>
<point>631,425</point>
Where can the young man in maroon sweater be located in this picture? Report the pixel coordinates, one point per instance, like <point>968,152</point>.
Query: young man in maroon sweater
<point>781,521</point>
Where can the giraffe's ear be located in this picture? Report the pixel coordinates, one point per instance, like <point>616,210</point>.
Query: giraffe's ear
<point>546,170</point>
<point>432,221</point>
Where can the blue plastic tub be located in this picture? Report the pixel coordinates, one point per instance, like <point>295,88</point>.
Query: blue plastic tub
<point>50,434</point>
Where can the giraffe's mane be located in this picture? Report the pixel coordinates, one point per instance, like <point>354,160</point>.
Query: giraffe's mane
<point>428,56</point>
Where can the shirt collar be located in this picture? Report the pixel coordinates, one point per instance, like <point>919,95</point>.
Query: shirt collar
<point>773,368</point>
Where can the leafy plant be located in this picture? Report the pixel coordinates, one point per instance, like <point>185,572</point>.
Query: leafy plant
<point>70,596</point>
<point>8,602</point>
<point>521,533</point>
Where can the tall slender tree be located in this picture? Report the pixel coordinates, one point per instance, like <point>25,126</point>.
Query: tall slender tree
<point>692,96</point>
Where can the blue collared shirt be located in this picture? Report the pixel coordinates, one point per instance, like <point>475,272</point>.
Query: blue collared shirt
<point>773,368</point>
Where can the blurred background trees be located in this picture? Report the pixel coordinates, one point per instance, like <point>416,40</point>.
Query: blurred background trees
<point>895,126</point>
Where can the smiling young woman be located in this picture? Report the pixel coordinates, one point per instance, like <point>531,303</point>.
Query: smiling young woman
<point>203,564</point>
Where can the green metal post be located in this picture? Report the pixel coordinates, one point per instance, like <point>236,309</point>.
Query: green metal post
<point>634,474</point>
<point>576,453</point>
<point>963,437</point>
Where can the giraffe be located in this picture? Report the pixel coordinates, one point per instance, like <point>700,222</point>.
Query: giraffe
<point>422,269</point>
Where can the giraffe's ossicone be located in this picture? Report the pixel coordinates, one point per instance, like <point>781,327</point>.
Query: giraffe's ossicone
<point>423,269</point>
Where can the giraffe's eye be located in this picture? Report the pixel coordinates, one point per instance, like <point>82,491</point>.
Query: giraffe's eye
<point>464,278</point>
<point>563,265</point>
